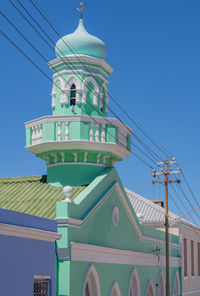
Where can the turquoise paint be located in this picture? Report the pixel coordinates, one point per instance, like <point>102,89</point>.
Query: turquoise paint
<point>81,42</point>
<point>111,134</point>
<point>100,231</point>
<point>109,273</point>
<point>73,174</point>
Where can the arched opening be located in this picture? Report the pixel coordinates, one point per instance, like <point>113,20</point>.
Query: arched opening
<point>150,289</point>
<point>161,284</point>
<point>176,287</point>
<point>134,286</point>
<point>73,95</point>
<point>91,286</point>
<point>115,290</point>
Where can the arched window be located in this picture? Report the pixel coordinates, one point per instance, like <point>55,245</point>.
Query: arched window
<point>150,289</point>
<point>73,95</point>
<point>134,286</point>
<point>91,286</point>
<point>161,284</point>
<point>115,290</point>
<point>176,288</point>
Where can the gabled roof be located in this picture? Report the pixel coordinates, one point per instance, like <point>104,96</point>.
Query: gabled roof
<point>32,195</point>
<point>151,213</point>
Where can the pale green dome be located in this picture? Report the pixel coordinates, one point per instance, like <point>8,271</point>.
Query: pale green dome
<point>81,42</point>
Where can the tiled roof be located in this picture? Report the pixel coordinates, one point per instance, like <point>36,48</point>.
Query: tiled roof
<point>32,195</point>
<point>150,212</point>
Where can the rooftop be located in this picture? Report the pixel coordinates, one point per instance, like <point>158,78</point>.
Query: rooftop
<point>32,195</point>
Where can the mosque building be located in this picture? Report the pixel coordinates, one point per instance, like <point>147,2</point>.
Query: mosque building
<point>103,249</point>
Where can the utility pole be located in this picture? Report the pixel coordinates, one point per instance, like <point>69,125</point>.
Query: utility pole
<point>166,170</point>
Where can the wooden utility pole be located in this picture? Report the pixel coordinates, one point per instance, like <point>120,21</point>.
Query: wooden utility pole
<point>165,170</point>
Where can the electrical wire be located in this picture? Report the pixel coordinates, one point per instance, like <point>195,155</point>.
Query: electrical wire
<point>24,37</point>
<point>116,102</point>
<point>38,68</point>
<point>148,149</point>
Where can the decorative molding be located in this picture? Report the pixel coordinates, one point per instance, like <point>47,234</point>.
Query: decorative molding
<point>96,290</point>
<point>134,283</point>
<point>26,232</point>
<point>79,58</point>
<point>75,163</point>
<point>94,253</point>
<point>176,285</point>
<point>191,292</point>
<point>112,148</point>
<point>70,222</point>
<point>161,284</point>
<point>115,216</point>
<point>124,128</point>
<point>150,285</point>
<point>85,90</point>
<point>115,290</point>
<point>42,277</point>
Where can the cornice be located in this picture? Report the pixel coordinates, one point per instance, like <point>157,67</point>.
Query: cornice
<point>26,232</point>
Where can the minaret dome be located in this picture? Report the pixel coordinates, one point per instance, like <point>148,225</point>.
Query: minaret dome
<point>81,42</point>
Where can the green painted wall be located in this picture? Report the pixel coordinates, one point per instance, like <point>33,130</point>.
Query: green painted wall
<point>99,230</point>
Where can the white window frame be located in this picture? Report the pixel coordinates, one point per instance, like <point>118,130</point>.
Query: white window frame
<point>96,291</point>
<point>134,278</point>
<point>115,288</point>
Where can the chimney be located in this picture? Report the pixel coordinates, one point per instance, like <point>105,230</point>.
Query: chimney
<point>159,203</point>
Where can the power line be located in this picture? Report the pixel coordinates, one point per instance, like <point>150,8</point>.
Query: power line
<point>116,102</point>
<point>38,68</point>
<point>148,149</point>
<point>24,37</point>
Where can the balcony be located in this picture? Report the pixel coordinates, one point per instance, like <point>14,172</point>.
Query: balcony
<point>78,132</point>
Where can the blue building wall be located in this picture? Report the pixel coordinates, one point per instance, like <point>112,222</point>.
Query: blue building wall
<point>23,258</point>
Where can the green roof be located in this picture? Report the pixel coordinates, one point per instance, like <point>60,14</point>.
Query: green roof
<point>32,195</point>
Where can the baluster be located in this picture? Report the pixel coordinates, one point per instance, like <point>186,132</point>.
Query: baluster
<point>67,131</point>
<point>75,156</point>
<point>36,134</point>
<point>85,156</point>
<point>62,156</point>
<point>103,135</point>
<point>98,158</point>
<point>33,135</point>
<point>59,131</point>
<point>97,133</point>
<point>40,133</point>
<point>91,131</point>
<point>53,99</point>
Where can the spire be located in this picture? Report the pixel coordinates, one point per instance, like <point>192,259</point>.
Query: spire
<point>82,7</point>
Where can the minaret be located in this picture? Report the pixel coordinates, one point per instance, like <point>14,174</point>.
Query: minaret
<point>78,141</point>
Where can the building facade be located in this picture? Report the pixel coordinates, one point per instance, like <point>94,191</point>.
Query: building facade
<point>28,255</point>
<point>103,249</point>
<point>153,216</point>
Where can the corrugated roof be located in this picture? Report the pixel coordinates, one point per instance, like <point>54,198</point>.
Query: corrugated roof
<point>151,213</point>
<point>32,195</point>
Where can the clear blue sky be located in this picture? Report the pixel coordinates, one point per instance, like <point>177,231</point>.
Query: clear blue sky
<point>154,48</point>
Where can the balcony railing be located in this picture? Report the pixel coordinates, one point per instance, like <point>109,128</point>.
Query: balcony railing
<point>78,128</point>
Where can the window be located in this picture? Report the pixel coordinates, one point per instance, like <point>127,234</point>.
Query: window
<point>185,256</point>
<point>134,285</point>
<point>161,284</point>
<point>176,288</point>
<point>198,250</point>
<point>91,286</point>
<point>192,258</point>
<point>73,95</point>
<point>87,290</point>
<point>115,290</point>
<point>41,287</point>
<point>150,289</point>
